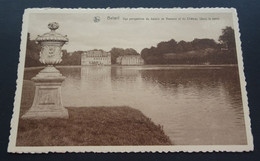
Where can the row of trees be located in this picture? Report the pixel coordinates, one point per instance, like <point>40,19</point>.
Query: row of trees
<point>198,51</point>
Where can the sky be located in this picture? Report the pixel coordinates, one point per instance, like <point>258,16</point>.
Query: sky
<point>128,30</point>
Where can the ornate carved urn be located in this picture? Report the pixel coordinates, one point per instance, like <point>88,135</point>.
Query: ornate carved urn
<point>51,44</point>
<point>47,99</point>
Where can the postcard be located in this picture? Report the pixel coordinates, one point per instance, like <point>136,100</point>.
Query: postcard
<point>130,80</point>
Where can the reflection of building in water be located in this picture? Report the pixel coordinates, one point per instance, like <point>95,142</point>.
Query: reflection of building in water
<point>96,57</point>
<point>96,73</point>
<point>125,77</point>
<point>127,80</point>
<point>130,60</point>
<point>94,78</point>
<point>124,73</point>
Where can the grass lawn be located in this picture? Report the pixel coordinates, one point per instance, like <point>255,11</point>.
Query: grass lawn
<point>88,126</point>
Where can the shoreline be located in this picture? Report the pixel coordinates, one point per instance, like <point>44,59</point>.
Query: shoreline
<point>92,126</point>
<point>147,65</point>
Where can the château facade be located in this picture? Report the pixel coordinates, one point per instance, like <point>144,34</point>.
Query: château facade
<point>130,60</point>
<point>96,57</point>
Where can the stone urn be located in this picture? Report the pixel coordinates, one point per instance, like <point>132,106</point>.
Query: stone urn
<point>47,99</point>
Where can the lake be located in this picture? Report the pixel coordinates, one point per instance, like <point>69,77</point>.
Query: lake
<point>196,105</point>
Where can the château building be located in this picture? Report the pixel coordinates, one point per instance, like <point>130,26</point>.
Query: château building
<point>130,60</point>
<point>96,57</point>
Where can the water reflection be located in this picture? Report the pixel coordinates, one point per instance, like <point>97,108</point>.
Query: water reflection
<point>194,105</point>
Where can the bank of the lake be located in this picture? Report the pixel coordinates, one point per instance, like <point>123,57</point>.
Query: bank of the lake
<point>145,65</point>
<point>89,126</point>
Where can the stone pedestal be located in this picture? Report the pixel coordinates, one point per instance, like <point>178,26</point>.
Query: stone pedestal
<point>47,99</point>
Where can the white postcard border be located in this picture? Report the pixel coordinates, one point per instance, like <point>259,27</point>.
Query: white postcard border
<point>12,148</point>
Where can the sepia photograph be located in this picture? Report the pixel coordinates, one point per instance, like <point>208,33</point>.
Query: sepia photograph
<point>130,80</point>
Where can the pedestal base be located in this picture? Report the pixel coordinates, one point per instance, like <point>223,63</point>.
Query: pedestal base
<point>47,99</point>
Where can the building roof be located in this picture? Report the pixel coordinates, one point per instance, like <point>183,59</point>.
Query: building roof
<point>96,53</point>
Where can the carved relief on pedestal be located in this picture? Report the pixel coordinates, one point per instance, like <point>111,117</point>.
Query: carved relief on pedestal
<point>51,54</point>
<point>47,96</point>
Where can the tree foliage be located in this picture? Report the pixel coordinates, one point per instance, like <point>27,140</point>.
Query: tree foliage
<point>198,51</point>
<point>227,41</point>
<point>116,52</point>
<point>166,52</point>
<point>73,58</point>
<point>227,37</point>
<point>32,53</point>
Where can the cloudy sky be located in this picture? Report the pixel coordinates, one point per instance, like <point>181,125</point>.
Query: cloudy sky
<point>85,34</point>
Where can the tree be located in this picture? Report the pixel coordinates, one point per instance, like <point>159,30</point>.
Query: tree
<point>72,58</point>
<point>227,41</point>
<point>228,38</point>
<point>32,53</point>
<point>166,47</point>
<point>130,51</point>
<point>199,44</point>
<point>116,52</point>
